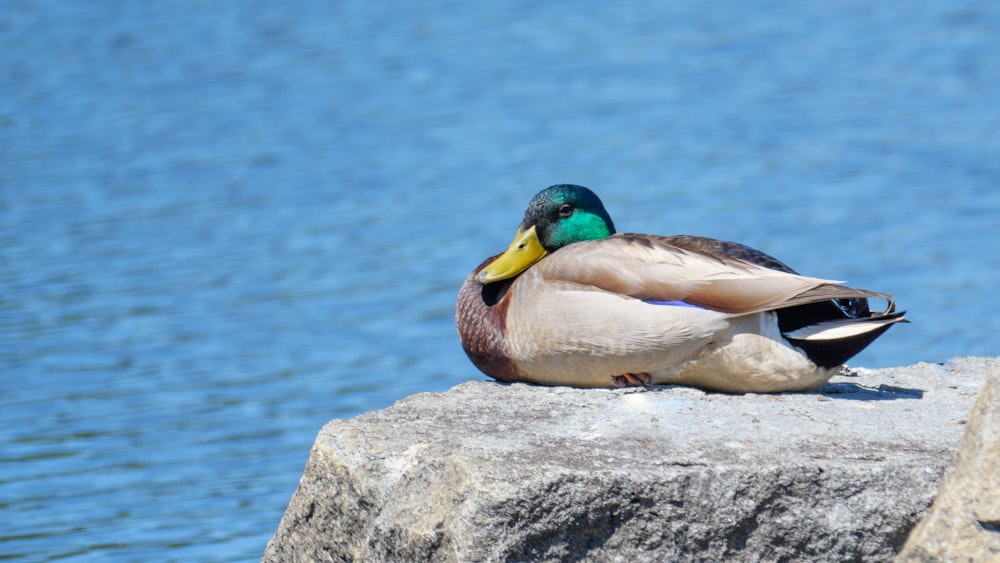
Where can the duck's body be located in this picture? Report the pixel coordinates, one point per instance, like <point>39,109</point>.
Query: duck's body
<point>611,309</point>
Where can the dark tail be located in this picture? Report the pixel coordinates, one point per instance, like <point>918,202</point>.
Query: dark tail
<point>832,332</point>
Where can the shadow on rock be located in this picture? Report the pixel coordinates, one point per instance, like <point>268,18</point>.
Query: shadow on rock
<point>855,392</point>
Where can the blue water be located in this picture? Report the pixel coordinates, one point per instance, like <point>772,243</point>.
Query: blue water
<point>223,224</point>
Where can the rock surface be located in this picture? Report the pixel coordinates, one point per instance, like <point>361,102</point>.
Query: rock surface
<point>963,524</point>
<point>489,472</point>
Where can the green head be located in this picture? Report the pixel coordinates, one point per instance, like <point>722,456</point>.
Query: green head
<point>556,216</point>
<point>565,214</point>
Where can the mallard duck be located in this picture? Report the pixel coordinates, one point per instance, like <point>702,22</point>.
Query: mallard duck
<point>571,302</point>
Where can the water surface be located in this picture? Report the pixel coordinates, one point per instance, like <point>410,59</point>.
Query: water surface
<point>223,224</point>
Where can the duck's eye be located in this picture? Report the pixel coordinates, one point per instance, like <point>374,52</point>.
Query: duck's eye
<point>565,211</point>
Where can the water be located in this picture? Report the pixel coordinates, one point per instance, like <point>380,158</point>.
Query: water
<point>224,223</point>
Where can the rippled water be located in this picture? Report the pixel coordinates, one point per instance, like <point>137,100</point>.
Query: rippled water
<point>224,223</point>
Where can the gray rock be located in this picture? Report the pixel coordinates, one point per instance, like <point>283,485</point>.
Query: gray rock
<point>963,524</point>
<point>490,471</point>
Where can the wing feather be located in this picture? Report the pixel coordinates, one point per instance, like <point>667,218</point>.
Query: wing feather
<point>650,268</point>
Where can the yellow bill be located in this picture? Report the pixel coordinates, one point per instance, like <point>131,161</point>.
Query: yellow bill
<point>522,253</point>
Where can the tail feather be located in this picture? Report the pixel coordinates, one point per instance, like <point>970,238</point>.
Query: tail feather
<point>830,343</point>
<point>840,329</point>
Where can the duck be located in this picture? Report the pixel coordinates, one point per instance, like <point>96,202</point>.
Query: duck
<point>572,302</point>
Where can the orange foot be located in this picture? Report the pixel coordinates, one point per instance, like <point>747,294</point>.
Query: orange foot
<point>633,379</point>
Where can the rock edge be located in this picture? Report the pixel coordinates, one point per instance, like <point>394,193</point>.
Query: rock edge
<point>963,524</point>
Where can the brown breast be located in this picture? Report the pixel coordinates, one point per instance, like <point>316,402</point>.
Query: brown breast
<point>481,316</point>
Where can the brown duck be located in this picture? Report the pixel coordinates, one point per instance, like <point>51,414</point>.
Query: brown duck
<point>572,303</point>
